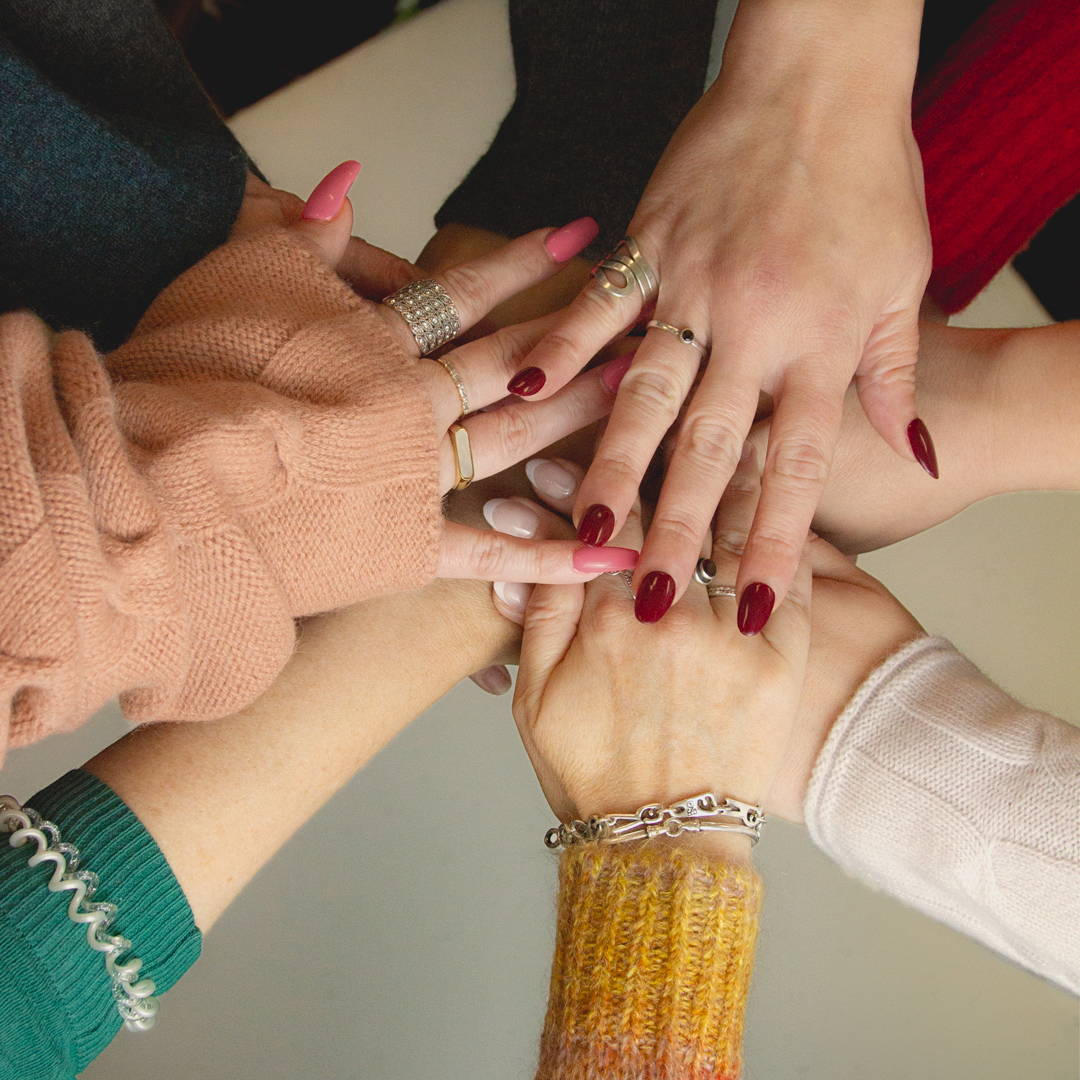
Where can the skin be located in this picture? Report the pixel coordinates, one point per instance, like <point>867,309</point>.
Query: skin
<point>787,224</point>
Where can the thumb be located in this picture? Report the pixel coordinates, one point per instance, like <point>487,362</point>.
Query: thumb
<point>327,219</point>
<point>885,381</point>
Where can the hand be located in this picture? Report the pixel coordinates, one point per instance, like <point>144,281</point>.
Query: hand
<point>786,223</point>
<point>498,438</point>
<point>614,716</point>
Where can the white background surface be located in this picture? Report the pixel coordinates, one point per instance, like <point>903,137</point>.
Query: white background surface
<point>380,946</point>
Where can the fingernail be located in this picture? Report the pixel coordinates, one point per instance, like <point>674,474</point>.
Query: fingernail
<point>493,680</point>
<point>565,243</point>
<point>550,478</point>
<point>922,446</point>
<point>528,382</point>
<point>755,607</point>
<point>329,195</point>
<point>513,594</point>
<point>589,560</point>
<point>511,517</point>
<point>654,596</point>
<point>597,525</point>
<point>614,371</point>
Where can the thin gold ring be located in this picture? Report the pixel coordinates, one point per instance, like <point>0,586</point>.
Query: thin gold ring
<point>464,466</point>
<point>459,383</point>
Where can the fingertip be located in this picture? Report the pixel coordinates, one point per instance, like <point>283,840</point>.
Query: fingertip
<point>329,197</point>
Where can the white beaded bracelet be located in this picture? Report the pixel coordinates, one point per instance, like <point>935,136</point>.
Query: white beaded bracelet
<point>134,1000</point>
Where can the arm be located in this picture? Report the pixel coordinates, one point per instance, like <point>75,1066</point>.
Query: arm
<point>165,816</point>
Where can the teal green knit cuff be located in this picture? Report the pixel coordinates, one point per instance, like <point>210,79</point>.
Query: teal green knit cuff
<point>57,1011</point>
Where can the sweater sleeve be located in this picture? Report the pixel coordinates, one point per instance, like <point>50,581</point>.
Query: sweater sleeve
<point>652,965</point>
<point>260,450</point>
<point>57,1011</point>
<point>940,789</point>
<point>601,87</point>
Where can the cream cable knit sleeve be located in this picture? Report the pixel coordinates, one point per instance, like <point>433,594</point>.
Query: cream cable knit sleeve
<point>940,789</point>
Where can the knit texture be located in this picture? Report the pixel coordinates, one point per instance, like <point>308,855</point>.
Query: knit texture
<point>940,789</point>
<point>652,966</point>
<point>259,450</point>
<point>998,124</point>
<point>601,87</point>
<point>116,173</point>
<point>57,1011</point>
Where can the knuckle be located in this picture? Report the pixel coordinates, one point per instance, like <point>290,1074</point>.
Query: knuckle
<point>607,620</point>
<point>730,541</point>
<point>616,470</point>
<point>710,442</point>
<point>488,556</point>
<point>655,392</point>
<point>801,462</point>
<point>681,525</point>
<point>469,288</point>
<point>778,546</point>
<point>517,434</point>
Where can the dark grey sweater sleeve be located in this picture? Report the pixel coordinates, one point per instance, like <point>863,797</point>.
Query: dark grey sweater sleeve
<point>601,86</point>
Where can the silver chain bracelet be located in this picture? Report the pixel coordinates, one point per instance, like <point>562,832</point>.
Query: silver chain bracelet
<point>134,999</point>
<point>700,813</point>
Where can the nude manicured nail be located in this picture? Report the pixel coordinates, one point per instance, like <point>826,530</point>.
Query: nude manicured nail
<point>511,517</point>
<point>514,595</point>
<point>614,371</point>
<point>493,680</point>
<point>588,560</point>
<point>654,596</point>
<point>755,607</point>
<point>922,446</point>
<point>528,382</point>
<point>329,195</point>
<point>563,244</point>
<point>550,479</point>
<point>597,525</point>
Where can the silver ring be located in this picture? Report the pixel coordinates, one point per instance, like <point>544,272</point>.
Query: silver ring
<point>429,312</point>
<point>705,571</point>
<point>628,264</point>
<point>459,384</point>
<point>715,591</point>
<point>683,333</point>
<point>627,578</point>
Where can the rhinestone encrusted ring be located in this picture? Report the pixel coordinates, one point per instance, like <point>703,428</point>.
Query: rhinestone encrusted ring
<point>429,313</point>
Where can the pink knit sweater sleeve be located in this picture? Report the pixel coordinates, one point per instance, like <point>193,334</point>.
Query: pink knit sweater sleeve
<point>259,450</point>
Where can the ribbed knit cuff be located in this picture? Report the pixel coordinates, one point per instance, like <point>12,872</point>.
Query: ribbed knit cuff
<point>66,995</point>
<point>652,966</point>
<point>601,87</point>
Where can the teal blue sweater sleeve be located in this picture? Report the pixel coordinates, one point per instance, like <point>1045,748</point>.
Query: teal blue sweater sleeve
<point>57,1011</point>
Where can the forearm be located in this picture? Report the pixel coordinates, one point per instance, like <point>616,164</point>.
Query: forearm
<point>221,798</point>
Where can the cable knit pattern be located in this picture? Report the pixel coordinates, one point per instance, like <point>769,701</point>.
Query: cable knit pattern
<point>259,450</point>
<point>940,789</point>
<point>652,965</point>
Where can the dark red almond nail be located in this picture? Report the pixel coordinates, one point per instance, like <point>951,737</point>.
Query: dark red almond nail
<point>597,525</point>
<point>755,607</point>
<point>922,446</point>
<point>654,597</point>
<point>528,382</point>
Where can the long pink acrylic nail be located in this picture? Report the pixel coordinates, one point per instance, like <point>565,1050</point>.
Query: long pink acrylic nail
<point>565,243</point>
<point>329,195</point>
<point>614,371</point>
<point>589,560</point>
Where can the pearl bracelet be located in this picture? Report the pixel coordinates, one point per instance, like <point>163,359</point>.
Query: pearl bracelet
<point>134,1000</point>
<point>700,813</point>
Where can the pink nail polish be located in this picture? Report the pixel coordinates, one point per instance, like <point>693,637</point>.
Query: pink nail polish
<point>588,560</point>
<point>563,244</point>
<point>329,195</point>
<point>614,371</point>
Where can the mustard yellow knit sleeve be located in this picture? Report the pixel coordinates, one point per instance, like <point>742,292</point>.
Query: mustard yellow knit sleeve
<point>653,955</point>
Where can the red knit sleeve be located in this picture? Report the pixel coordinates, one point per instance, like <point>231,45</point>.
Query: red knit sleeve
<point>258,451</point>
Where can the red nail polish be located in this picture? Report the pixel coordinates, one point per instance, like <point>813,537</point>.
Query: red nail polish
<point>597,525</point>
<point>614,371</point>
<point>655,595</point>
<point>922,446</point>
<point>590,560</point>
<point>528,382</point>
<point>755,607</point>
<point>329,195</point>
<point>563,244</point>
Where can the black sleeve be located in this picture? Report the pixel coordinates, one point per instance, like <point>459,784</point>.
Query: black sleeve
<point>601,86</point>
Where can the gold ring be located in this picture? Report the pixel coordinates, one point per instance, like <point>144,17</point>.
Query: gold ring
<point>459,383</point>
<point>464,465</point>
